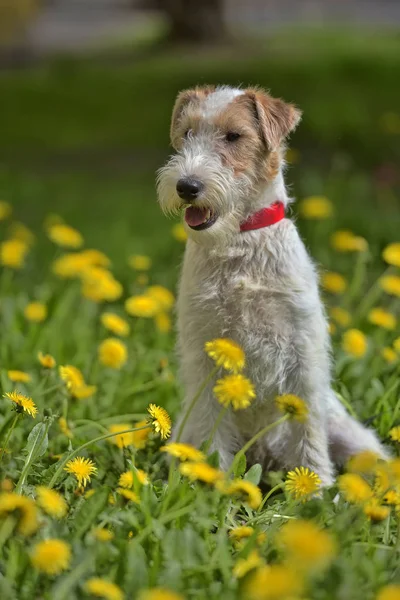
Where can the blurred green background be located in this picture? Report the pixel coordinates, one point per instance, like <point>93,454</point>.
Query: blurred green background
<point>84,126</point>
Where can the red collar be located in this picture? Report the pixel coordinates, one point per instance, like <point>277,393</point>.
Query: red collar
<point>265,217</point>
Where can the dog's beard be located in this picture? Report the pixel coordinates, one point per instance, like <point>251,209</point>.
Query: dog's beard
<point>223,194</point>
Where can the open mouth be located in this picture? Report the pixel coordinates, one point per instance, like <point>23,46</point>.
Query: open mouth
<point>199,218</point>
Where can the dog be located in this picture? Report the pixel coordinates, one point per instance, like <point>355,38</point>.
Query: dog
<point>247,276</point>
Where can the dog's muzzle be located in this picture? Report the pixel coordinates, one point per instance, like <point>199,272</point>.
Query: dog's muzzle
<point>189,189</point>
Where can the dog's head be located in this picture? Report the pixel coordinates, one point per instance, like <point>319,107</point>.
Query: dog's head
<point>229,158</point>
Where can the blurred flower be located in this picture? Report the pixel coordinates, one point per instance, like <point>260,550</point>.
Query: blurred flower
<point>51,502</point>
<point>102,534</point>
<point>23,509</point>
<point>390,284</point>
<point>235,390</point>
<point>46,360</point>
<point>128,495</point>
<point>115,324</point>
<point>391,254</point>
<point>245,565</point>
<point>99,285</point>
<point>396,345</point>
<point>184,452</point>
<point>126,479</point>
<point>82,469</point>
<point>390,123</point>
<point>250,493</point>
<point>19,231</point>
<point>226,353</point>
<point>75,382</point>
<point>160,420</point>
<point>316,207</point>
<point>354,343</point>
<point>5,210</point>
<point>65,236</point>
<point>113,353</point>
<point>306,545</point>
<point>75,264</point>
<point>179,233</point>
<point>274,582</point>
<point>382,318</point>
<point>293,406</point>
<point>35,312</point>
<point>13,253</point>
<point>333,282</point>
<point>389,592</point>
<point>394,434</point>
<point>103,589</point>
<point>23,403</point>
<point>18,376</point>
<point>63,425</point>
<point>125,439</point>
<point>142,306</point>
<point>163,322</point>
<point>159,594</point>
<point>375,511</point>
<point>332,328</point>
<point>345,241</point>
<point>241,532</point>
<point>139,262</point>
<point>340,315</point>
<point>302,483</point>
<point>197,471</point>
<point>389,355</point>
<point>51,556</point>
<point>363,462</point>
<point>162,295</point>
<point>354,488</point>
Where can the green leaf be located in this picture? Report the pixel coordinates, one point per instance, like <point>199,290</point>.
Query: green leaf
<point>89,511</point>
<point>254,474</point>
<point>136,571</point>
<point>38,440</point>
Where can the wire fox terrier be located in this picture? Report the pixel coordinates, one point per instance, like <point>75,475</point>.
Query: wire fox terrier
<point>247,276</point>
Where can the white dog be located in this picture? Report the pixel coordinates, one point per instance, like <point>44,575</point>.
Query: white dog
<point>247,276</point>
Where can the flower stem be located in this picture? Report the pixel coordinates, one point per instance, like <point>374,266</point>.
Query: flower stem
<point>214,430</point>
<point>272,491</point>
<point>89,443</point>
<point>13,424</point>
<point>194,401</point>
<point>255,439</point>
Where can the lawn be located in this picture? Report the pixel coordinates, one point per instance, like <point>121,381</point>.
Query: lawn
<point>88,511</point>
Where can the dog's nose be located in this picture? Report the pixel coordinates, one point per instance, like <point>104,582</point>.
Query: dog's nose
<point>189,188</point>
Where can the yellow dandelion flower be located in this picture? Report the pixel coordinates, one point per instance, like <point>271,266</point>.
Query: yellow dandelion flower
<point>302,483</point>
<point>235,390</point>
<point>35,312</point>
<point>19,231</point>
<point>128,495</point>
<point>226,353</point>
<point>5,210</point>
<point>113,353</point>
<point>18,376</point>
<point>392,497</point>
<point>51,556</point>
<point>89,494</point>
<point>13,253</point>
<point>345,241</point>
<point>306,545</point>
<point>293,406</point>
<point>6,485</point>
<point>23,403</point>
<point>389,355</point>
<point>159,594</point>
<point>382,318</point>
<point>184,452</point>
<point>241,532</point>
<point>142,306</point>
<point>82,469</point>
<point>389,592</point>
<point>51,502</point>
<point>138,439</point>
<point>75,264</point>
<point>363,462</point>
<point>162,295</point>
<point>84,391</point>
<point>139,262</point>
<point>197,471</point>
<point>75,382</point>
<point>390,284</point>
<point>250,493</point>
<point>63,425</point>
<point>99,285</point>
<point>102,535</point>
<point>46,360</point>
<point>396,345</point>
<point>394,434</point>
<point>115,324</point>
<point>274,582</point>
<point>245,565</point>
<point>383,479</point>
<point>340,315</point>
<point>65,236</point>
<point>179,232</point>
<point>376,511</point>
<point>126,480</point>
<point>391,254</point>
<point>23,508</point>
<point>334,283</point>
<point>355,343</point>
<point>316,207</point>
<point>163,322</point>
<point>354,488</point>
<point>160,420</point>
<point>103,589</point>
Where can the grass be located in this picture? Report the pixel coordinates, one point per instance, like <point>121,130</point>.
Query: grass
<point>80,139</point>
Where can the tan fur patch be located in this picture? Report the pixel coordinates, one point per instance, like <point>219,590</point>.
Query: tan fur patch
<point>185,98</point>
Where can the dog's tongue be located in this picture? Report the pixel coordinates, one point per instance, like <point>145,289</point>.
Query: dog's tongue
<point>195,216</point>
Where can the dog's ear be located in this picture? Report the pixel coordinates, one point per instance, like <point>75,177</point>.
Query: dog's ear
<point>183,99</point>
<point>275,117</point>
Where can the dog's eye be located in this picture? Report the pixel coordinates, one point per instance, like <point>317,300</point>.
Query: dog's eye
<point>232,136</point>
